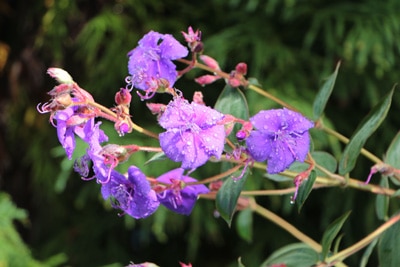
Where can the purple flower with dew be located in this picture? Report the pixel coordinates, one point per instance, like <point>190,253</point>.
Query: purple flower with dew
<point>280,137</point>
<point>133,195</point>
<point>94,139</point>
<point>152,59</point>
<point>193,134</point>
<point>178,197</point>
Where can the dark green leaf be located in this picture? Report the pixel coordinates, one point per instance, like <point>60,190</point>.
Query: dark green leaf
<point>393,156</point>
<point>325,160</point>
<point>232,101</point>
<point>364,130</point>
<point>382,201</point>
<point>294,167</point>
<point>331,233</point>
<point>244,224</point>
<point>305,190</point>
<point>324,93</point>
<point>228,195</point>
<point>293,255</point>
<point>389,247</point>
<point>367,253</point>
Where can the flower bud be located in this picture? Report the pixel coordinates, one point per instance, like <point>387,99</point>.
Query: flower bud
<point>210,62</point>
<point>60,75</point>
<point>123,97</point>
<point>206,79</point>
<point>241,68</point>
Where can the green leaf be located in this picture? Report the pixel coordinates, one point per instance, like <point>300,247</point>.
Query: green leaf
<point>294,167</point>
<point>293,255</point>
<point>367,253</point>
<point>305,190</point>
<point>331,233</point>
<point>228,195</point>
<point>393,157</point>
<point>244,224</point>
<point>325,160</point>
<point>232,101</point>
<point>389,247</point>
<point>157,157</point>
<point>382,201</point>
<point>240,264</point>
<point>364,130</point>
<point>324,93</point>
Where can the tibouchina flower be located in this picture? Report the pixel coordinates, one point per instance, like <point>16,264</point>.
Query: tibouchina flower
<point>192,134</point>
<point>280,137</point>
<point>133,195</point>
<point>152,59</point>
<point>179,197</point>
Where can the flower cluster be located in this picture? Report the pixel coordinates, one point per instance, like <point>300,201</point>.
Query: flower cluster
<point>193,132</point>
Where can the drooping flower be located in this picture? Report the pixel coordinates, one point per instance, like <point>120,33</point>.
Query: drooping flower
<point>193,134</point>
<point>179,197</point>
<point>133,195</point>
<point>152,59</point>
<point>69,122</point>
<point>280,137</point>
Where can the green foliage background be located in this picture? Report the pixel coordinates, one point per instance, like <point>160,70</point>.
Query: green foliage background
<point>290,46</point>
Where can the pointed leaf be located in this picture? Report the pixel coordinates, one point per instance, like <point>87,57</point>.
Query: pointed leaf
<point>244,224</point>
<point>232,101</point>
<point>367,253</point>
<point>325,160</point>
<point>382,201</point>
<point>305,190</point>
<point>324,93</point>
<point>389,247</point>
<point>331,233</point>
<point>393,157</point>
<point>228,195</point>
<point>157,157</point>
<point>293,255</point>
<point>364,130</point>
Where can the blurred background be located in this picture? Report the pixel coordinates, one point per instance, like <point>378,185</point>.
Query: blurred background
<point>50,217</point>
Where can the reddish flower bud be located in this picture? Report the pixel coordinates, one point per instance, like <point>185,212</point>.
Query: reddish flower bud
<point>241,68</point>
<point>156,108</point>
<point>210,62</point>
<point>206,79</point>
<point>123,97</point>
<point>198,98</point>
<point>234,82</point>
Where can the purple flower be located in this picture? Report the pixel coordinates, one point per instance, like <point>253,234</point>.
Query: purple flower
<point>69,123</point>
<point>193,134</point>
<point>180,198</point>
<point>280,137</point>
<point>152,59</point>
<point>133,195</point>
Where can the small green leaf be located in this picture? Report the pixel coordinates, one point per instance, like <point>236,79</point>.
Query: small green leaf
<point>382,201</point>
<point>157,157</point>
<point>393,157</point>
<point>232,101</point>
<point>325,160</point>
<point>294,167</point>
<point>367,253</point>
<point>364,130</point>
<point>228,195</point>
<point>240,264</point>
<point>305,190</point>
<point>244,224</point>
<point>293,255</point>
<point>389,247</point>
<point>324,93</point>
<point>331,233</point>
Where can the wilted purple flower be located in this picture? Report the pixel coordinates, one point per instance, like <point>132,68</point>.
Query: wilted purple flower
<point>152,59</point>
<point>180,198</point>
<point>280,137</point>
<point>133,195</point>
<point>69,122</point>
<point>193,134</point>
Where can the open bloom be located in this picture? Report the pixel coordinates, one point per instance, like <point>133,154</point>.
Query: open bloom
<point>179,197</point>
<point>133,195</point>
<point>152,59</point>
<point>280,137</point>
<point>193,134</point>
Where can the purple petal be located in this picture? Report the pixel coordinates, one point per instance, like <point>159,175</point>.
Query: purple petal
<point>258,145</point>
<point>171,48</point>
